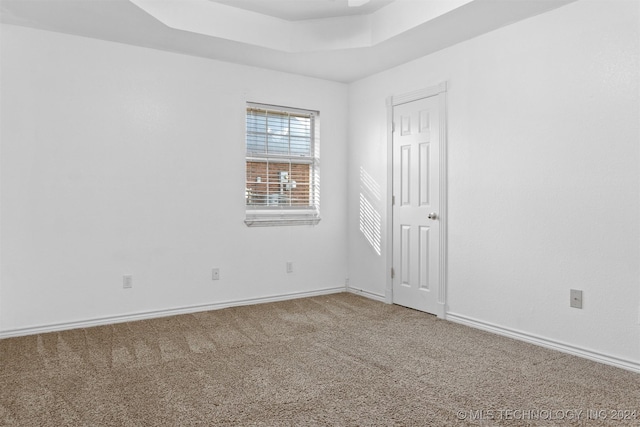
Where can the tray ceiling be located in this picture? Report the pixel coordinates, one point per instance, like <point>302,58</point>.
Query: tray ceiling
<point>342,48</point>
<point>297,10</point>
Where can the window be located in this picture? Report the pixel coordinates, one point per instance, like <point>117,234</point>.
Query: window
<point>282,167</point>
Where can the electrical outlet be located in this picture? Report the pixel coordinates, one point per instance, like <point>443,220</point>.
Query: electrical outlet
<point>127,281</point>
<point>215,274</point>
<point>289,267</point>
<point>576,298</point>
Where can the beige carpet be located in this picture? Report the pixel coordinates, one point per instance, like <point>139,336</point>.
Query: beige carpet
<point>338,360</point>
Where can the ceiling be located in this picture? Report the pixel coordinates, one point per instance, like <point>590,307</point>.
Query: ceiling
<point>298,10</point>
<point>316,38</point>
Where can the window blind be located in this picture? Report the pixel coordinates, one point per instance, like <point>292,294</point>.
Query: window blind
<point>282,168</point>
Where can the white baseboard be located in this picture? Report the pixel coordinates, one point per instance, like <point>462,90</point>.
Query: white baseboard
<point>367,294</point>
<point>163,313</point>
<point>544,342</point>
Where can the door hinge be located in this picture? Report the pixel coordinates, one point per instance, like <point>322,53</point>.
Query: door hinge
<point>393,273</point>
<point>393,200</point>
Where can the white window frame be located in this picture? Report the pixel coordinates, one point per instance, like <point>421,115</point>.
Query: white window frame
<point>264,216</point>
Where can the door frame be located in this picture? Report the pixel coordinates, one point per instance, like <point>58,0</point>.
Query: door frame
<point>441,92</point>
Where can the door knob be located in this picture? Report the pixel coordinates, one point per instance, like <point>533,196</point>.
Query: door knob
<point>432,215</point>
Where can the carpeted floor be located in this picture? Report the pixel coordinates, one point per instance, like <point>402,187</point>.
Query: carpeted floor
<point>339,360</point>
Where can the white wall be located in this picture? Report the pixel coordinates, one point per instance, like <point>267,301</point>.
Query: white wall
<point>544,175</point>
<point>123,160</point>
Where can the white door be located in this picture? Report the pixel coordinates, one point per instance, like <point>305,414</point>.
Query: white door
<point>416,225</point>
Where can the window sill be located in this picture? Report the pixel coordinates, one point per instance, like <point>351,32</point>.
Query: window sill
<point>275,219</point>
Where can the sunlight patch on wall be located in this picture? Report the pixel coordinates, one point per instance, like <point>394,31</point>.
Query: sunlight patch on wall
<point>370,218</point>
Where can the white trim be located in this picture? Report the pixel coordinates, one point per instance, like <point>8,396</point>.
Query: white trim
<point>629,365</point>
<point>389,246</point>
<point>392,101</point>
<point>418,94</point>
<point>164,313</point>
<point>367,294</point>
<point>280,218</point>
<point>444,194</point>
